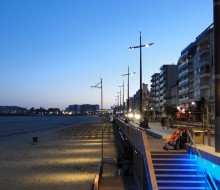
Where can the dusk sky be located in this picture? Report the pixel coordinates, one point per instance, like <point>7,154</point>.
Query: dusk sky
<point>52,51</point>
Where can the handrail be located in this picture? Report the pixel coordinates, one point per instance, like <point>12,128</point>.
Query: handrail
<point>138,138</point>
<point>149,161</point>
<point>205,172</point>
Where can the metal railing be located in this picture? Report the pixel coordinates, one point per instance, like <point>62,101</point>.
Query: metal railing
<point>137,136</point>
<point>204,170</point>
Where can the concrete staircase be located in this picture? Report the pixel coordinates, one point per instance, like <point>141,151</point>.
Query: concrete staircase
<point>177,170</point>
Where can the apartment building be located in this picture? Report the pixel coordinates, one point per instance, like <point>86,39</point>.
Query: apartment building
<point>154,91</point>
<point>195,78</point>
<point>164,89</point>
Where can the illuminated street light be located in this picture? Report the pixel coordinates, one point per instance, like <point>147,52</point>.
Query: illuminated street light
<point>128,74</point>
<point>140,47</point>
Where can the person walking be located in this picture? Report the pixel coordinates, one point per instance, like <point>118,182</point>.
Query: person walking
<point>163,121</point>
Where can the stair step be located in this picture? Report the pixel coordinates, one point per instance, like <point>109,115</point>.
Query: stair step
<point>181,183</point>
<point>176,171</point>
<point>170,160</point>
<point>169,152</point>
<point>183,164</point>
<point>181,170</point>
<point>174,166</point>
<point>176,153</point>
<point>183,188</point>
<point>179,177</point>
<point>171,156</point>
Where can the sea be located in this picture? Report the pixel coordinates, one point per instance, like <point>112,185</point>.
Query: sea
<point>13,128</point>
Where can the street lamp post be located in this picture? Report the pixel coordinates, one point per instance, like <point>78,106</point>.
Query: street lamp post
<point>122,97</point>
<point>119,101</point>
<point>118,108</point>
<point>140,47</point>
<point>193,107</point>
<point>99,85</point>
<point>128,74</point>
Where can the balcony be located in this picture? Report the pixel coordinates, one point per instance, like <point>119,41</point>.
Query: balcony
<point>204,84</point>
<point>205,94</point>
<point>184,55</point>
<point>182,65</point>
<point>183,100</point>
<point>183,82</point>
<point>183,73</point>
<point>183,91</point>
<point>204,61</point>
<point>161,77</point>
<point>162,86</point>
<point>204,74</point>
<point>162,91</point>
<point>203,50</point>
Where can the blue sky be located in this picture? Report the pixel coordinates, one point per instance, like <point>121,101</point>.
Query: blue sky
<point>52,51</point>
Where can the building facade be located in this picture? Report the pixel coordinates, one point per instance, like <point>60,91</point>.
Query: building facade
<point>195,78</point>
<point>135,105</point>
<point>164,89</point>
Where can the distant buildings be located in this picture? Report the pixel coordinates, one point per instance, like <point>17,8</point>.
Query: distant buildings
<point>83,109</point>
<point>12,110</point>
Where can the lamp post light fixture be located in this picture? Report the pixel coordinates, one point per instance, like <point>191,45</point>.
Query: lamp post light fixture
<point>128,74</point>
<point>99,85</point>
<point>140,47</point>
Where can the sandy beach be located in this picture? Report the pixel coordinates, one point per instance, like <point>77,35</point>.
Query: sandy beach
<point>61,159</point>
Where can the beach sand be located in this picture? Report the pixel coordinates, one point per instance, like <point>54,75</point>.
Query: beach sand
<point>61,160</point>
